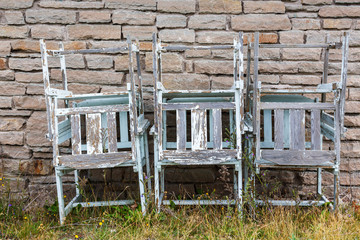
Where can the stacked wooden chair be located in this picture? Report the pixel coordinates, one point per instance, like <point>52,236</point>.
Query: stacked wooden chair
<point>292,125</point>
<point>105,118</point>
<point>199,141</point>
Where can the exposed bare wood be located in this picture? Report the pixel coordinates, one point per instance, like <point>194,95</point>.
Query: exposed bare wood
<point>198,129</point>
<point>297,157</point>
<point>181,129</point>
<point>217,132</point>
<point>279,129</point>
<point>303,106</point>
<point>198,105</point>
<point>111,132</point>
<point>89,110</point>
<point>315,130</point>
<point>93,133</point>
<point>76,134</point>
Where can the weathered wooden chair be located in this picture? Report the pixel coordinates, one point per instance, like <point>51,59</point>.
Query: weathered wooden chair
<point>200,141</point>
<point>291,124</point>
<point>105,120</point>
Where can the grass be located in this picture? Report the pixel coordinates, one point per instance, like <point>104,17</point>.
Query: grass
<point>197,222</point>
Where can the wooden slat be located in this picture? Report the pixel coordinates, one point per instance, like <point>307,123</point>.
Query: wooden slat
<point>279,129</point>
<point>200,157</point>
<point>75,134</point>
<point>267,126</point>
<point>198,129</point>
<point>93,133</point>
<point>286,128</point>
<point>112,137</point>
<point>104,160</point>
<point>124,127</point>
<point>217,128</point>
<point>295,157</point>
<point>315,130</point>
<point>181,129</point>
<point>198,105</point>
<point>88,110</point>
<point>283,105</point>
<point>328,119</point>
<point>297,129</point>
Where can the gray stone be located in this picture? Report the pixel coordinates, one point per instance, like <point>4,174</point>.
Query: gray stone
<point>14,31</point>
<point>25,64</point>
<point>178,35</point>
<point>18,4</point>
<point>97,77</point>
<point>86,31</point>
<point>99,62</point>
<point>47,32</point>
<point>12,138</point>
<point>133,17</point>
<point>131,4</point>
<point>213,67</point>
<point>207,22</point>
<point>184,6</point>
<point>139,32</point>
<point>14,17</point>
<point>260,22</point>
<point>11,124</point>
<point>50,16</point>
<point>94,17</point>
<point>171,21</point>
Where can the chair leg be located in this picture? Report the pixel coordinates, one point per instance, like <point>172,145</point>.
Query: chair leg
<point>336,190</point>
<point>140,175</point>
<point>319,181</point>
<point>60,193</point>
<point>148,172</point>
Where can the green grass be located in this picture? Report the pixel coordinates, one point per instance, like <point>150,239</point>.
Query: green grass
<point>181,223</point>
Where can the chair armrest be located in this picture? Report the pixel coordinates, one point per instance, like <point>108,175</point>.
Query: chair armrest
<point>152,130</point>
<point>143,126</point>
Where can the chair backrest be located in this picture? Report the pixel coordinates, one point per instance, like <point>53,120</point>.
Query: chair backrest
<point>341,85</point>
<point>96,123</point>
<point>204,108</point>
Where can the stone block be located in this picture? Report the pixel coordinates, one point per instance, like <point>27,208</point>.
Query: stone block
<point>350,149</point>
<point>175,190</point>
<point>14,17</point>
<point>223,53</point>
<point>139,32</point>
<point>352,107</point>
<point>291,37</point>
<point>186,81</point>
<point>260,22</point>
<point>85,31</point>
<point>5,102</point>
<point>263,37</point>
<point>311,67</point>
<point>190,175</point>
<point>352,121</point>
<point>133,17</point>
<point>316,2</point>
<point>222,37</point>
<point>21,152</point>
<point>269,54</point>
<point>340,11</point>
<point>300,79</point>
<point>34,46</point>
<point>71,4</point>
<point>221,82</point>
<point>189,66</point>
<point>18,4</point>
<point>7,75</point>
<point>207,22</point>
<point>264,7</point>
<point>278,67</point>
<point>177,35</point>
<point>12,138</point>
<point>305,24</point>
<point>272,79</point>
<point>25,77</point>
<point>11,124</point>
<point>50,16</point>
<point>83,88</point>
<point>172,62</point>
<point>99,62</point>
<point>194,53</point>
<point>337,23</point>
<point>35,167</point>
<point>12,89</point>
<point>213,67</point>
<point>72,61</point>
<point>94,17</point>
<point>90,77</point>
<point>3,64</point>
<point>35,89</point>
<point>185,6</point>
<point>352,134</point>
<point>122,63</point>
<point>25,64</point>
<point>131,4</point>
<point>215,6</point>
<point>310,54</point>
<point>47,32</point>
<point>13,31</point>
<point>29,102</point>
<point>171,21</point>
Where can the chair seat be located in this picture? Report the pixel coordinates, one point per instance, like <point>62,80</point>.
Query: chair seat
<point>93,161</point>
<point>200,157</point>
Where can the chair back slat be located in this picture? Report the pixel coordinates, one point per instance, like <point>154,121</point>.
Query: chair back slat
<point>267,126</point>
<point>75,134</point>
<point>93,133</point>
<point>315,130</point>
<point>181,129</point>
<point>124,127</point>
<point>198,129</point>
<point>279,129</point>
<point>217,128</point>
<point>111,132</point>
<point>297,129</point>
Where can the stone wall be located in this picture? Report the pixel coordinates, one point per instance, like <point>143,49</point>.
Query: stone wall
<point>25,153</point>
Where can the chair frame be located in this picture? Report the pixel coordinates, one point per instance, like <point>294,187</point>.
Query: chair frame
<point>198,102</point>
<point>323,124</point>
<point>100,110</point>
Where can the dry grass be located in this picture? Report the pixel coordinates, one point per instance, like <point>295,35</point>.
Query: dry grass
<point>183,223</point>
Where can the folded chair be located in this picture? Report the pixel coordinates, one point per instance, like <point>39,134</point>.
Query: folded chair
<point>294,127</point>
<point>199,125</point>
<point>114,126</point>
